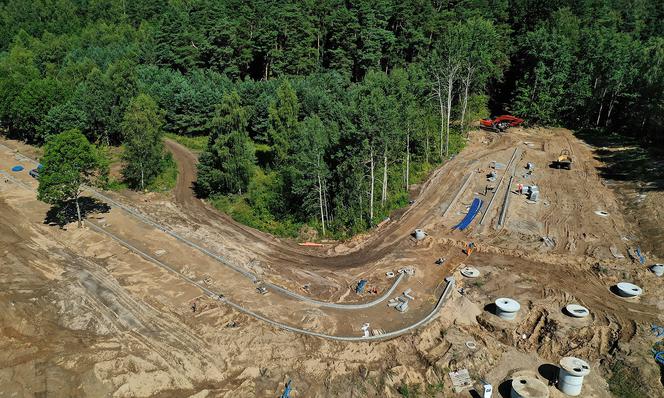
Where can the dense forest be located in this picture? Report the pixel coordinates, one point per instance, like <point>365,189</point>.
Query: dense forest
<point>321,113</point>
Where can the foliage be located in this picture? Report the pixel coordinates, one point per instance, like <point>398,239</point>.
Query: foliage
<point>69,162</point>
<point>32,105</point>
<point>338,107</point>
<point>196,143</point>
<point>227,164</point>
<point>144,150</point>
<point>409,391</point>
<point>622,382</point>
<point>166,180</point>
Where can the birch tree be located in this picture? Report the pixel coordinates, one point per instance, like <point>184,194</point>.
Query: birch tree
<point>311,171</point>
<point>483,58</point>
<point>445,65</point>
<point>142,134</point>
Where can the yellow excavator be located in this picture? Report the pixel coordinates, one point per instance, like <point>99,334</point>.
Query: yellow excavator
<point>564,160</point>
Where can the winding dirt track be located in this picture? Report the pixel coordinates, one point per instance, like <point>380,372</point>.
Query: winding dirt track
<point>434,196</point>
<point>441,186</point>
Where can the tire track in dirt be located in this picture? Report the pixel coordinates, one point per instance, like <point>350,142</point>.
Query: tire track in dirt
<point>373,248</point>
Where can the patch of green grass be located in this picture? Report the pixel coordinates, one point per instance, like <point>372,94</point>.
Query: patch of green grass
<point>167,179</point>
<point>478,283</point>
<point>433,389</point>
<point>623,382</point>
<point>116,185</point>
<point>237,207</point>
<point>409,391</point>
<point>196,144</point>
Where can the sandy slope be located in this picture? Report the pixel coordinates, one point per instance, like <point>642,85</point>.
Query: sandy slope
<point>82,316</point>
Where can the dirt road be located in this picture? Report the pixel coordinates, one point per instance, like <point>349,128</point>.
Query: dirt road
<point>129,330</point>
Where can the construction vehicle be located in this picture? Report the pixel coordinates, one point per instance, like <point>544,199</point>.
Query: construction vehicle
<point>500,123</point>
<point>34,173</point>
<point>564,160</point>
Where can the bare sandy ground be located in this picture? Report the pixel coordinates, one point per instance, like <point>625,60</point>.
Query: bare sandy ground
<point>83,316</point>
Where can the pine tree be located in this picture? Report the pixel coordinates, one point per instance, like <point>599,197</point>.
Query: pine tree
<point>283,122</point>
<point>144,150</point>
<point>228,163</point>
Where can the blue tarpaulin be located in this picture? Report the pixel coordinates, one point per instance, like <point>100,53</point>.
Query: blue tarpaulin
<point>360,286</point>
<point>17,168</point>
<point>287,391</point>
<point>472,212</point>
<point>640,256</point>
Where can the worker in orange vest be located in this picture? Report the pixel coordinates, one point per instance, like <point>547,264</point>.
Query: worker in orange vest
<point>469,248</point>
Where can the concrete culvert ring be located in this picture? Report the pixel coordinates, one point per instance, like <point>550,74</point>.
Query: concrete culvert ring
<point>528,387</point>
<point>507,308</point>
<point>470,272</point>
<point>577,311</point>
<point>657,269</point>
<point>626,289</point>
<point>419,234</point>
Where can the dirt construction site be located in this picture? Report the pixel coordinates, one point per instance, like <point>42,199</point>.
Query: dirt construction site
<point>161,295</point>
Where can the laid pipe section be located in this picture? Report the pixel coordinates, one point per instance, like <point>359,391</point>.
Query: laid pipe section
<point>458,194</point>
<point>470,216</point>
<point>441,300</point>
<point>217,257</point>
<point>337,305</point>
<point>450,282</point>
<point>500,183</point>
<point>506,203</point>
<point>571,374</point>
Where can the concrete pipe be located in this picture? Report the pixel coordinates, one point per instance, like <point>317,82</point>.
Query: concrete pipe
<point>506,308</point>
<point>627,289</point>
<point>420,234</point>
<point>571,374</point>
<point>577,311</point>
<point>470,272</point>
<point>528,387</point>
<point>657,269</point>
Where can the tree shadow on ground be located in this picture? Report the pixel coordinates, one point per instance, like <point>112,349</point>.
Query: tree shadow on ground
<point>626,159</point>
<point>66,213</point>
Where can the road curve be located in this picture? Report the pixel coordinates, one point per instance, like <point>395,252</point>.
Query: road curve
<point>288,253</point>
<point>222,259</point>
<point>449,286</point>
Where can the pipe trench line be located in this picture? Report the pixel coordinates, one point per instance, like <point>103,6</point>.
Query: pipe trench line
<point>280,325</point>
<point>223,260</point>
<point>218,296</point>
<point>500,183</point>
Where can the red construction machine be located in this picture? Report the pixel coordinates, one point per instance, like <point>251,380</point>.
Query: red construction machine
<point>500,123</point>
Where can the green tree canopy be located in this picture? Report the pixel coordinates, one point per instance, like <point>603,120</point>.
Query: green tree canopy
<point>283,122</point>
<point>228,163</point>
<point>143,147</point>
<point>69,162</point>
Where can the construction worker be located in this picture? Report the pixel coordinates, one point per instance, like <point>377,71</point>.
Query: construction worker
<point>469,248</point>
<point>519,189</point>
